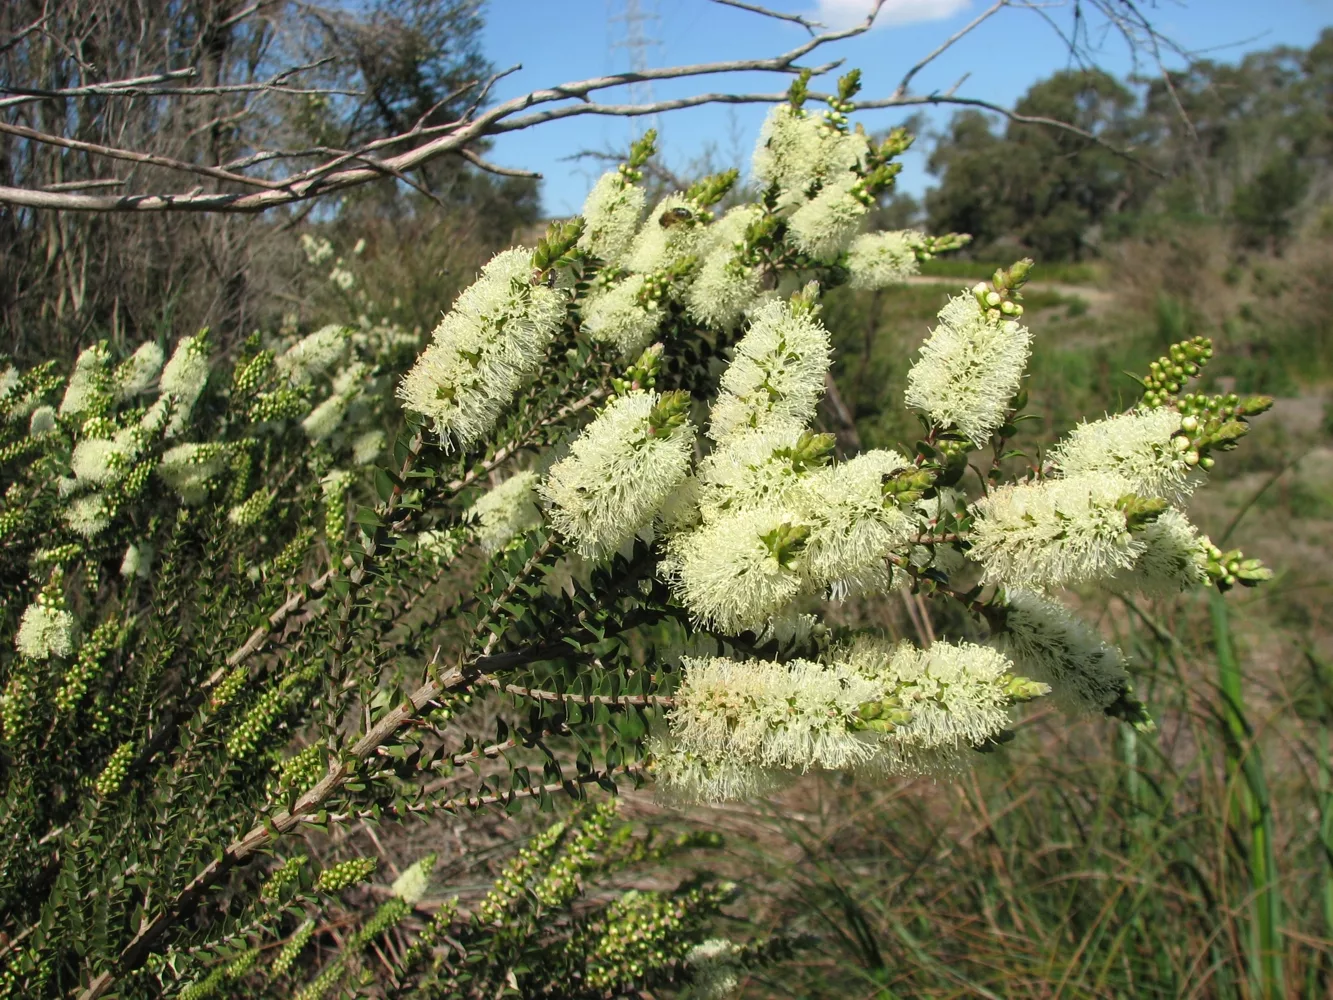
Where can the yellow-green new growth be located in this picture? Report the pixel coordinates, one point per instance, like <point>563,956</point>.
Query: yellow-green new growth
<point>1054,533</point>
<point>338,877</point>
<point>485,349</point>
<point>620,471</point>
<point>506,511</point>
<point>777,374</point>
<point>1143,447</point>
<point>970,368</point>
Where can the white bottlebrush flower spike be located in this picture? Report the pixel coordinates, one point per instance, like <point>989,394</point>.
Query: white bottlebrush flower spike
<point>1138,446</point>
<point>732,574</point>
<point>684,778</point>
<point>88,369</point>
<point>1049,643</point>
<point>485,349</point>
<point>853,528</point>
<point>788,715</point>
<point>714,969</point>
<point>43,421</point>
<point>44,632</point>
<point>412,884</point>
<point>970,368</point>
<point>9,379</point>
<point>183,379</point>
<point>669,235</point>
<point>506,511</point>
<point>99,461</point>
<point>620,315</point>
<point>797,149</point>
<point>777,374</point>
<point>137,373</point>
<point>619,471</point>
<point>751,470</point>
<point>1054,533</point>
<point>1173,560</point>
<point>137,561</point>
<point>825,225</point>
<point>725,285</point>
<point>88,515</point>
<point>187,468</point>
<point>611,214</point>
<point>314,353</point>
<point>879,260</point>
<point>367,447</point>
<point>958,694</point>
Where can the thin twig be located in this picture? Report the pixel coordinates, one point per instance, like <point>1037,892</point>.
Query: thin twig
<point>808,25</point>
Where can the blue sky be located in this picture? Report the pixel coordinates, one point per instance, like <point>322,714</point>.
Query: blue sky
<point>564,40</point>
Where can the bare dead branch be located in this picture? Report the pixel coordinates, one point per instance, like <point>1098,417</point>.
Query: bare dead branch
<point>492,168</point>
<point>78,185</point>
<point>1000,109</point>
<point>145,87</point>
<point>112,153</point>
<point>101,89</point>
<point>341,172</point>
<point>808,25</point>
<point>904,85</point>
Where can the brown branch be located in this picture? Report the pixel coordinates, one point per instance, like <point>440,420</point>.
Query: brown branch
<point>538,694</point>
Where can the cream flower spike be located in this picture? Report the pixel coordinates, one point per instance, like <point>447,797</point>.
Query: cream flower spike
<point>970,368</point>
<point>485,349</point>
<point>1141,446</point>
<point>1054,533</point>
<point>1049,643</point>
<point>611,212</point>
<point>777,374</point>
<point>620,471</point>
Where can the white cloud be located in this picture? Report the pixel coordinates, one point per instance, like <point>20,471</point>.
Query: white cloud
<point>845,13</point>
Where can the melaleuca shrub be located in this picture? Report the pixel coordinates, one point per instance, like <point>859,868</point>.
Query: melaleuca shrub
<point>585,539</point>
